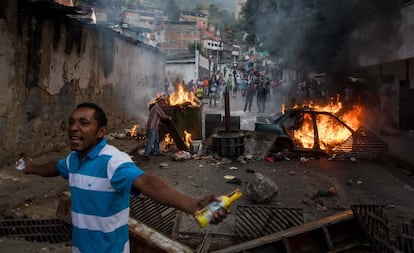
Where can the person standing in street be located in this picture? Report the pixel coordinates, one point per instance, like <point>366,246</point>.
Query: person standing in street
<point>156,114</point>
<point>101,180</point>
<point>212,86</point>
<point>250,92</point>
<point>261,97</point>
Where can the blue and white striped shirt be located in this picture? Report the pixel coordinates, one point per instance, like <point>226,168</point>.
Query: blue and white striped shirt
<point>100,187</point>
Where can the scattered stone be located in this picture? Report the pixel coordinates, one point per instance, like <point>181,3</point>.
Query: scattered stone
<point>261,188</point>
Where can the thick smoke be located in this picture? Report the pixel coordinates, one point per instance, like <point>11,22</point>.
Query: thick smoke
<point>310,33</point>
<point>374,37</point>
<point>303,33</point>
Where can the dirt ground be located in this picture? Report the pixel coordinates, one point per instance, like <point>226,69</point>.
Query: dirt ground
<point>362,182</point>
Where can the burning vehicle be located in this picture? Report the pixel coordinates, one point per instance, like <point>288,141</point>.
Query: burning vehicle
<point>312,128</point>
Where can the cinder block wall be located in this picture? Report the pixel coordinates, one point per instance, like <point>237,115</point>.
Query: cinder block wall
<point>50,63</point>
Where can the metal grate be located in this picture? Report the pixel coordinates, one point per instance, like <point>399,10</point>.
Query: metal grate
<point>362,144</point>
<point>256,221</point>
<point>375,225</point>
<point>42,230</point>
<point>406,237</point>
<point>157,216</point>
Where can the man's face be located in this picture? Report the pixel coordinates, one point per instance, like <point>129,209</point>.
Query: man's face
<point>83,130</point>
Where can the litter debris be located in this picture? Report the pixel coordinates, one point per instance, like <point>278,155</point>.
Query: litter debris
<point>321,193</point>
<point>353,159</point>
<point>182,155</point>
<point>232,180</point>
<point>235,180</point>
<point>304,159</point>
<point>249,157</point>
<point>292,173</point>
<point>250,170</point>
<point>20,164</point>
<point>225,160</point>
<point>229,177</point>
<point>352,181</point>
<point>164,165</point>
<point>233,168</point>
<point>321,207</point>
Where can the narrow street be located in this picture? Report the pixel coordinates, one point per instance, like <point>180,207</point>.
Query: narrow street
<point>28,196</point>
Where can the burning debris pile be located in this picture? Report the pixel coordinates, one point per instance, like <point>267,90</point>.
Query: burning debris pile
<point>177,134</point>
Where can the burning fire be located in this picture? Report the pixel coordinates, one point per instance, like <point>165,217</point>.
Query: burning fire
<point>168,140</point>
<point>133,131</point>
<point>330,132</point>
<point>181,96</point>
<point>187,138</point>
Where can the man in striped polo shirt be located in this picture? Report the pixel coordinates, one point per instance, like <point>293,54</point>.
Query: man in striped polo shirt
<point>101,179</point>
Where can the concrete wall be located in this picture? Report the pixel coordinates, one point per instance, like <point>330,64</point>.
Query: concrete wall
<point>386,37</point>
<point>49,64</point>
<point>381,49</point>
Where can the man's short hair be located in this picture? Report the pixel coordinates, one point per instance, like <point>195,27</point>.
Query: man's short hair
<point>99,114</point>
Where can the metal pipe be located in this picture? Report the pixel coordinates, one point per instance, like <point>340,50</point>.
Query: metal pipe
<point>227,110</point>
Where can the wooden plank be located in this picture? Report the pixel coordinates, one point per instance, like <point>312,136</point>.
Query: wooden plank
<point>305,228</point>
<point>176,228</point>
<point>328,239</point>
<point>158,241</point>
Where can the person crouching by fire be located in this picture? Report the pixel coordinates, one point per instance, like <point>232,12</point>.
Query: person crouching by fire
<point>156,113</point>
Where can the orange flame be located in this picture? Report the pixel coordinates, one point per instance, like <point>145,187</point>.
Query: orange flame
<point>168,140</point>
<point>133,131</point>
<point>187,138</point>
<point>181,96</point>
<point>331,132</point>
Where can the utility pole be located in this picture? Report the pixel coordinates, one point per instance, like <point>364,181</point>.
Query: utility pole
<point>196,55</point>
